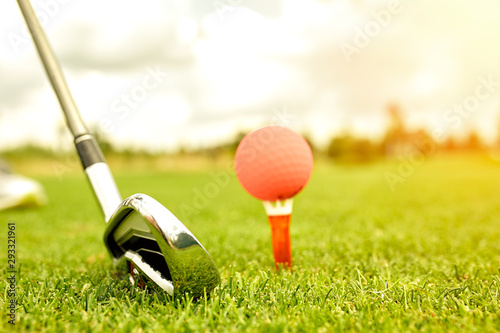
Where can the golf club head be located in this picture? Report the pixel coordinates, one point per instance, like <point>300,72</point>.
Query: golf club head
<point>147,235</point>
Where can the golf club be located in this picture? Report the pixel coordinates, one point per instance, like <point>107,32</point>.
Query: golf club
<point>142,236</point>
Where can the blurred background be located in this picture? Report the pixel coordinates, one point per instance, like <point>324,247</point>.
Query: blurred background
<point>361,80</point>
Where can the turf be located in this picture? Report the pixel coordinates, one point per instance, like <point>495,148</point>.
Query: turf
<point>424,257</point>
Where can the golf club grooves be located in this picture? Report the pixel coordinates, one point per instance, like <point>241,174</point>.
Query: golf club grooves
<point>53,70</point>
<point>89,150</point>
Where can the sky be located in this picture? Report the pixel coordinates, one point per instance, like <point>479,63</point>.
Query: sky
<point>164,74</point>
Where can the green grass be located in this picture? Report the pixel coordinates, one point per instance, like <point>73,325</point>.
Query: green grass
<point>424,257</point>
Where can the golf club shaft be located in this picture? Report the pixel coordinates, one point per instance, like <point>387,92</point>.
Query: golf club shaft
<point>74,120</point>
<point>90,154</point>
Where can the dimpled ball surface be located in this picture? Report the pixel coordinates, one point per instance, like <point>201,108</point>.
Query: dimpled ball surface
<point>273,163</point>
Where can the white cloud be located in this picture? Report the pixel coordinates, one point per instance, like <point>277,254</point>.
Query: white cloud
<point>227,72</point>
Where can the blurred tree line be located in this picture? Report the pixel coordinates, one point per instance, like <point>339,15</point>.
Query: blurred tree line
<point>398,141</point>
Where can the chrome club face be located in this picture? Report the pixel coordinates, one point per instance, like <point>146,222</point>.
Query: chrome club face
<point>148,235</point>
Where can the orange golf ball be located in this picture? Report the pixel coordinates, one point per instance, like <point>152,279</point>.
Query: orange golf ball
<point>273,163</point>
